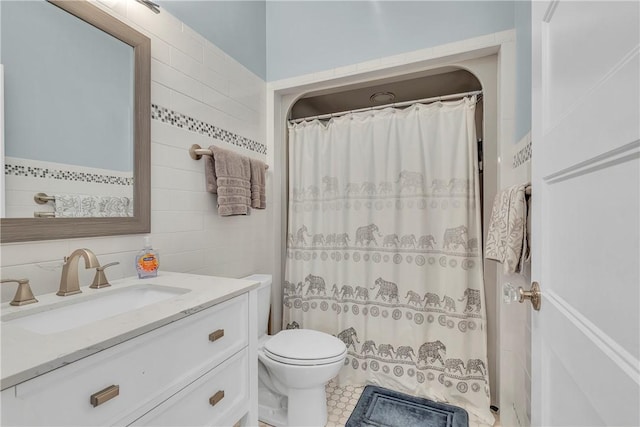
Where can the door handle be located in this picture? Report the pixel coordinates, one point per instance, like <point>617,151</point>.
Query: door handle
<point>511,294</point>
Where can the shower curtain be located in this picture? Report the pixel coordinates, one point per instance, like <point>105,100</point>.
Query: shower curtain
<point>383,248</point>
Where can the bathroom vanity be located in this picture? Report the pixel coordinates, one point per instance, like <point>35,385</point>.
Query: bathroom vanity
<point>179,349</point>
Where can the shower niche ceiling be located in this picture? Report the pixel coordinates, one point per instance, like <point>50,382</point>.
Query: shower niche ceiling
<point>432,83</point>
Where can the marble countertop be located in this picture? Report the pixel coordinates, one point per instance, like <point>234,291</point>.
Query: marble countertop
<point>26,354</point>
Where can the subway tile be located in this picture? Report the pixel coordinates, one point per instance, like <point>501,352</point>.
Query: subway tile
<point>165,133</point>
<point>166,222</point>
<point>191,47</point>
<point>215,80</point>
<point>177,81</point>
<point>247,93</point>
<point>160,50</point>
<point>180,242</point>
<point>163,199</point>
<point>215,59</point>
<point>186,65</point>
<point>109,244</point>
<point>174,157</point>
<point>33,252</point>
<point>189,32</point>
<point>215,99</point>
<point>177,179</point>
<point>160,94</point>
<point>184,261</point>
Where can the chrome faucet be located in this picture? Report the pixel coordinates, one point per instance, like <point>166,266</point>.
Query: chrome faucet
<point>69,282</point>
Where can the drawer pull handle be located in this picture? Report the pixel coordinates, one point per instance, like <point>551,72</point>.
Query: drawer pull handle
<point>105,395</point>
<point>216,398</point>
<point>216,335</point>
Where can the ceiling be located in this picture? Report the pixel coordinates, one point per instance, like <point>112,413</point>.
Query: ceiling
<point>443,81</point>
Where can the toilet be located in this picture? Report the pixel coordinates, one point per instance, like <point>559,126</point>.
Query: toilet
<point>293,368</point>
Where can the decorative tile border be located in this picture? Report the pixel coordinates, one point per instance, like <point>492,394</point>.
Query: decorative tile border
<point>185,122</point>
<point>65,175</point>
<point>522,156</point>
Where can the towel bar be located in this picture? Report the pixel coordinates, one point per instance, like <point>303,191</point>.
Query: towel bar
<point>44,214</point>
<point>196,152</point>
<point>42,198</point>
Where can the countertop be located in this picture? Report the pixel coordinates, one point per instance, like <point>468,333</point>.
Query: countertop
<point>27,354</point>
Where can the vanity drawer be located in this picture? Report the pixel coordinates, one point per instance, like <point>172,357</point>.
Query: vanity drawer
<point>148,370</point>
<point>218,398</point>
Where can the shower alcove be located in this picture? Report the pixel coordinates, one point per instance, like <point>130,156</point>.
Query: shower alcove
<point>479,69</point>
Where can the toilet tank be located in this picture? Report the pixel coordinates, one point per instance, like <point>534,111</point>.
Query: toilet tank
<point>264,301</point>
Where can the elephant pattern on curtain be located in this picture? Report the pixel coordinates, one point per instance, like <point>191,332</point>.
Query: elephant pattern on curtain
<point>383,248</point>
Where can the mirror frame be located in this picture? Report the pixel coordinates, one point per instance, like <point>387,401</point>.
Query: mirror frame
<point>31,229</point>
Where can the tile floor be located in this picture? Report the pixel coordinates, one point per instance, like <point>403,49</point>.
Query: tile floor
<point>340,403</point>
<point>342,400</point>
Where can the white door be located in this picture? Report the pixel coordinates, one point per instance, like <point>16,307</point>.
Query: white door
<point>586,215</point>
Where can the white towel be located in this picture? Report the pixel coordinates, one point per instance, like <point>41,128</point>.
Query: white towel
<point>507,240</point>
<point>89,206</point>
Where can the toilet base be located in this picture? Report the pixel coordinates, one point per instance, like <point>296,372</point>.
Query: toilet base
<point>272,407</point>
<point>294,410</point>
<point>273,417</point>
<point>302,413</point>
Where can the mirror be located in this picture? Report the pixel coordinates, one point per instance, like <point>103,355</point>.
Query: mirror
<point>76,122</point>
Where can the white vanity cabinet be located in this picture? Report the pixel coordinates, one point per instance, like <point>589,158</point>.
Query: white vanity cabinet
<point>194,371</point>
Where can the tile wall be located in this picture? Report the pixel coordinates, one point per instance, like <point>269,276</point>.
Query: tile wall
<point>515,318</point>
<point>209,98</point>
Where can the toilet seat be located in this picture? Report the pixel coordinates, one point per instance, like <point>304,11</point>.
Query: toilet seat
<point>304,347</point>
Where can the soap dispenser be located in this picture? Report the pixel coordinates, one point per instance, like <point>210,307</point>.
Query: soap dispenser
<point>147,261</point>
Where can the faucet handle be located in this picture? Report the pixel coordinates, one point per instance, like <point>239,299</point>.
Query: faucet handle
<point>23,295</point>
<point>100,279</point>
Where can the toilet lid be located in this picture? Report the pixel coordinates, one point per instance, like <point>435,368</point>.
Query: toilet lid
<point>304,347</point>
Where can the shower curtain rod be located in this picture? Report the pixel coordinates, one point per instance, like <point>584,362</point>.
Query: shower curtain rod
<point>396,104</point>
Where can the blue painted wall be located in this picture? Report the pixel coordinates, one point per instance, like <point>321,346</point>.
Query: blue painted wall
<point>522,21</point>
<point>237,27</point>
<point>310,36</point>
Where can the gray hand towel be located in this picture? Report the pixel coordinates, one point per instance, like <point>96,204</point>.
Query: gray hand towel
<point>507,240</point>
<point>258,193</point>
<point>228,175</point>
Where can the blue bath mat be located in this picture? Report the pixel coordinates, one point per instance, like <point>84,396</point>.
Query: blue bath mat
<point>380,407</point>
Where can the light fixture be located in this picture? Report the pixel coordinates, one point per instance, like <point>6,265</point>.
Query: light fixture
<point>155,7</point>
<point>382,97</point>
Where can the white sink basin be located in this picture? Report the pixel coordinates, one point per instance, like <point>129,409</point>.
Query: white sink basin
<point>81,311</point>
